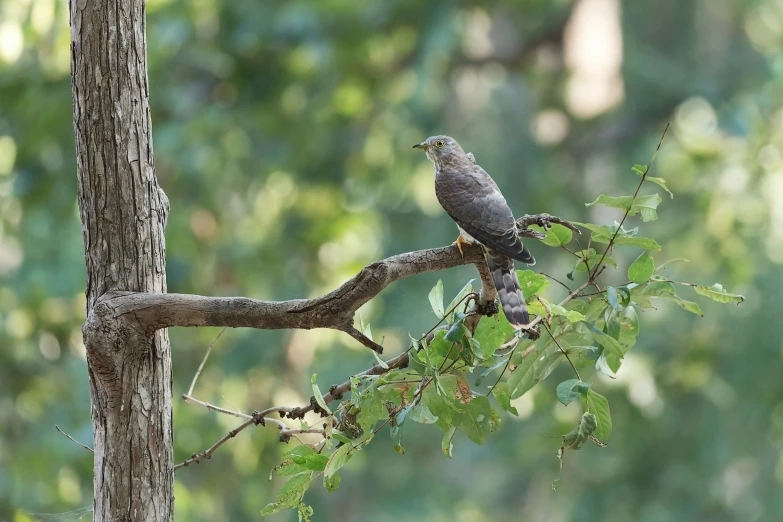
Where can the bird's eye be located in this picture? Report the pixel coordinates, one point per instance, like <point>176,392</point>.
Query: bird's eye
<point>440,144</point>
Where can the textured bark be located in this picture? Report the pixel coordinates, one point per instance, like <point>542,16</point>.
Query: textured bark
<point>123,213</point>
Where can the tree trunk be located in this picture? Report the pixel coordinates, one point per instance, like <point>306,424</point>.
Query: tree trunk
<point>123,213</point>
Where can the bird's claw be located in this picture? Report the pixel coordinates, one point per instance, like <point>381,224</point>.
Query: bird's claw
<point>459,242</point>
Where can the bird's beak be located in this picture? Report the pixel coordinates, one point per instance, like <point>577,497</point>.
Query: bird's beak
<point>421,145</point>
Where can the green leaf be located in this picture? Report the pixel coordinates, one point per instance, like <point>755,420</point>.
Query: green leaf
<point>457,330</point>
<point>446,444</point>
<point>313,462</point>
<point>644,242</point>
<point>396,437</point>
<point>577,437</point>
<point>319,397</point>
<point>467,289</point>
<point>639,169</point>
<point>475,420</point>
<point>558,235</point>
<point>661,183</point>
<point>491,332</point>
<point>608,342</point>
<point>532,368</point>
<point>378,359</point>
<point>290,495</point>
<point>422,414</point>
<point>371,409</point>
<point>436,299</point>
<point>611,296</point>
<point>332,483</point>
<point>288,466</point>
<point>645,204</point>
<point>539,307</point>
<point>570,390</point>
<point>436,397</point>
<point>717,293</point>
<point>622,202</point>
<point>338,459</point>
<point>531,283</point>
<point>501,395</point>
<point>642,269</point>
<point>603,233</point>
<point>597,404</point>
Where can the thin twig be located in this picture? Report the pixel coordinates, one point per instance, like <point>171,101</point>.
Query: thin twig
<point>556,281</point>
<point>204,360</point>
<point>561,349</point>
<point>628,211</point>
<point>74,440</point>
<point>189,398</point>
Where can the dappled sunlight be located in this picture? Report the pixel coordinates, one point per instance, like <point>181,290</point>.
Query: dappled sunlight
<point>593,49</point>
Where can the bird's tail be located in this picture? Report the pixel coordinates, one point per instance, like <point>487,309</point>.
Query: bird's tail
<point>505,278</point>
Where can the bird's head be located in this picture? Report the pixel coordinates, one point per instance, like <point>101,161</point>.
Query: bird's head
<point>442,150</point>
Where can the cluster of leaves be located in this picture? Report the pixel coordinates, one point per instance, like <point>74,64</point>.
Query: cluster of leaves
<point>592,329</point>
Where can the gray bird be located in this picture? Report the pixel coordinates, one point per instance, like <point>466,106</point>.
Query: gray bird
<point>472,198</point>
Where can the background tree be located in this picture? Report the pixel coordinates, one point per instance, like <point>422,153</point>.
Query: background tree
<point>290,91</point>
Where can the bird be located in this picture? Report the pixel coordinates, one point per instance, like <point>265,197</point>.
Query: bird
<point>473,200</point>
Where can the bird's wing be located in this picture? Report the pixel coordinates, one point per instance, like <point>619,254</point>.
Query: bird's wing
<point>472,198</point>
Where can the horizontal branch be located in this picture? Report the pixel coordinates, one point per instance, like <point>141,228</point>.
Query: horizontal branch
<point>154,311</point>
<point>333,310</point>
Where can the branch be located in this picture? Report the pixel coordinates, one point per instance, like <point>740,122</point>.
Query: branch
<point>154,311</point>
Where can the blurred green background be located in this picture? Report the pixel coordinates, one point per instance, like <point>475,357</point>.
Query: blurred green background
<point>282,134</point>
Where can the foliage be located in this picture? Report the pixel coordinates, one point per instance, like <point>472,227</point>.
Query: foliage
<point>435,386</point>
<point>282,134</point>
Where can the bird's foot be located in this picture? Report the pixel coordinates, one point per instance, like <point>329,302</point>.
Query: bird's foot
<point>532,332</point>
<point>459,242</point>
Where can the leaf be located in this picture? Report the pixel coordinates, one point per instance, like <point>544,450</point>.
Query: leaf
<point>611,296</point>
<point>290,495</point>
<point>644,242</point>
<point>467,289</point>
<point>532,368</point>
<point>639,169</point>
<point>717,293</point>
<point>608,342</point>
<point>576,438</point>
<point>597,404</point>
<point>422,414</point>
<point>645,204</point>
<point>332,483</point>
<point>457,330</point>
<point>396,437</point>
<point>558,235</point>
<point>378,359</point>
<point>623,202</point>
<point>642,269</point>
<point>570,390</point>
<point>288,466</point>
<point>446,444</point>
<point>319,397</point>
<point>313,462</point>
<point>475,420</point>
<point>436,397</point>
<point>338,459</point>
<point>501,395</point>
<point>436,299</point>
<point>661,183</point>
<point>491,332</point>
<point>531,283</point>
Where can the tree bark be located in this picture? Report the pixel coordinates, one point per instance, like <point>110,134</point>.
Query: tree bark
<point>123,213</point>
